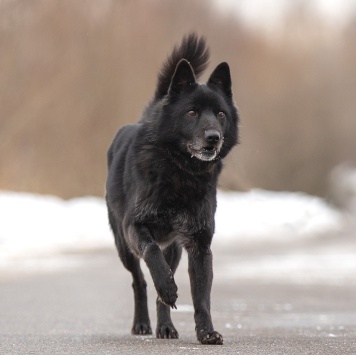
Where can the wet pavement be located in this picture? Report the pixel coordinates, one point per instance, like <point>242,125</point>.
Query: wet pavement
<point>87,308</point>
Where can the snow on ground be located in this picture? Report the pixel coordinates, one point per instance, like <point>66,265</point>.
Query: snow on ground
<point>260,214</point>
<point>40,233</point>
<point>34,227</point>
<point>332,267</point>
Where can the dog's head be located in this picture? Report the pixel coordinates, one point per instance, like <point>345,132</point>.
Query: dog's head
<point>201,119</point>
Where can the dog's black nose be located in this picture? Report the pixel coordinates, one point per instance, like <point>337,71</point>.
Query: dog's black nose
<point>212,136</point>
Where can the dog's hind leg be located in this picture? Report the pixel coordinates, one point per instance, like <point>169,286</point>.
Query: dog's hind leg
<point>141,323</point>
<point>165,328</point>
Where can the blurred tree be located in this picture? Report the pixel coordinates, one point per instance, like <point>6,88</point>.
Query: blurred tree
<point>71,73</point>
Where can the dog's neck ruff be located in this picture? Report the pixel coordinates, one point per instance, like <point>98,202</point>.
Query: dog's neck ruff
<point>191,164</point>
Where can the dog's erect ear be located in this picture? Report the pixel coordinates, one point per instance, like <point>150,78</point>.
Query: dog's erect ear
<point>221,78</point>
<point>182,78</point>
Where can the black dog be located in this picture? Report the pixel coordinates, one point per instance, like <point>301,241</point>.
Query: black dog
<point>161,186</point>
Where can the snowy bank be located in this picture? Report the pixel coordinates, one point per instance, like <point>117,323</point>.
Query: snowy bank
<point>34,226</point>
<point>268,215</point>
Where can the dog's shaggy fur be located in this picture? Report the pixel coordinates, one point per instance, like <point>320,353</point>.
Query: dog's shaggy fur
<point>161,186</point>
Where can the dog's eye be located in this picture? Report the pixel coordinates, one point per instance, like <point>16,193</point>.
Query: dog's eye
<point>192,113</point>
<point>221,114</point>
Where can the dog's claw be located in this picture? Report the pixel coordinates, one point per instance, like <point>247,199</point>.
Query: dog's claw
<point>141,328</point>
<point>213,338</point>
<point>172,305</point>
<point>166,331</point>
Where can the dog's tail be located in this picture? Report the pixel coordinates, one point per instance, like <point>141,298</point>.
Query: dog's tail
<point>194,50</point>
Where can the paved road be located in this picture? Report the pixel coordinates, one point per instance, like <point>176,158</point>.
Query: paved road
<point>87,309</point>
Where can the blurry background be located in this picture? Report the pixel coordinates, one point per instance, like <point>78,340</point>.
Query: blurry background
<point>73,72</point>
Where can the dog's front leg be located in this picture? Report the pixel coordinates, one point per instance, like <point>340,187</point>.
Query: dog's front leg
<point>143,243</point>
<point>161,274</point>
<point>201,277</point>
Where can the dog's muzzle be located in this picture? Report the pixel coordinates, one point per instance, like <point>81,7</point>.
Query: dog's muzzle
<point>206,148</point>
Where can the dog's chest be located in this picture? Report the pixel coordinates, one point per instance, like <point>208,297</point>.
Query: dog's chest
<point>176,217</point>
<point>182,224</point>
<point>175,204</point>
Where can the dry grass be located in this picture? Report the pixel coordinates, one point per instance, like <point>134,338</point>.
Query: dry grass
<point>73,72</point>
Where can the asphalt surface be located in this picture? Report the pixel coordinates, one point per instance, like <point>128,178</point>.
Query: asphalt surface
<point>88,309</point>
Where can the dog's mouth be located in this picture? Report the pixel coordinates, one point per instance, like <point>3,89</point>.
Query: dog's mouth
<point>206,153</point>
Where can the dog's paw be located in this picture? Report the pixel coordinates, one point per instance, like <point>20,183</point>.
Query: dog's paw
<point>167,292</point>
<point>211,338</point>
<point>141,328</point>
<point>166,331</point>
